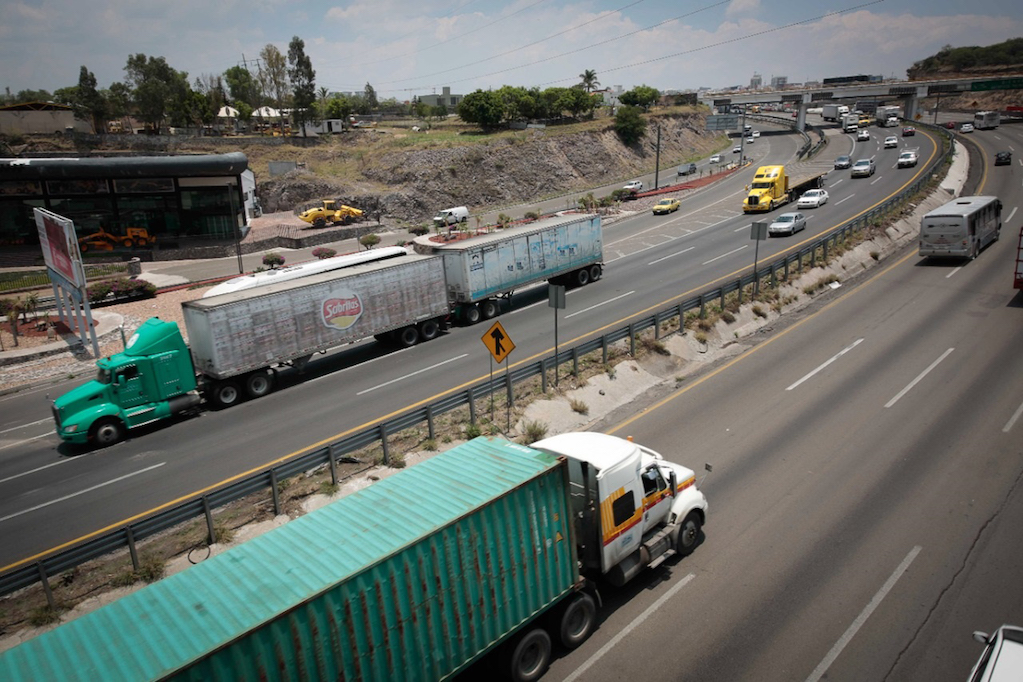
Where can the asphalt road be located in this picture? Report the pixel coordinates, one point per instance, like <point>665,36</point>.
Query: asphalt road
<point>50,495</point>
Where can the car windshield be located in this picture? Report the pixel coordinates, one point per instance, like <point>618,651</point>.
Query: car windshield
<point>664,202</point>
<point>785,219</point>
<point>813,193</point>
<point>843,159</point>
<point>862,163</point>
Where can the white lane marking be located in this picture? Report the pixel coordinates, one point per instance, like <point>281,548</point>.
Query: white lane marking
<point>32,471</point>
<point>610,300</point>
<point>28,440</point>
<point>954,271</point>
<point>1008,425</point>
<point>826,363</point>
<point>877,180</point>
<point>920,376</point>
<point>328,375</point>
<point>15,428</point>
<point>1011,213</point>
<point>412,374</point>
<point>846,637</point>
<point>677,253</point>
<point>725,254</point>
<point>846,199</point>
<point>592,660</point>
<point>837,182</point>
<point>80,492</point>
<point>688,232</point>
<point>648,248</point>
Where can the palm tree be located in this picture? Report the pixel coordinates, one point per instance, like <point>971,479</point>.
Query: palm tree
<point>323,101</point>
<point>589,78</point>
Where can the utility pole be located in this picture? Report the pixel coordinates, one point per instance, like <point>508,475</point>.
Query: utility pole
<point>657,158</point>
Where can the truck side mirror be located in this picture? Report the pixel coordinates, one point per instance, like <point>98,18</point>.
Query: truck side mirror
<point>121,379</point>
<point>674,482</point>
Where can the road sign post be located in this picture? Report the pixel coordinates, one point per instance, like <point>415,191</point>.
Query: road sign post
<point>556,300</point>
<point>500,345</point>
<point>758,232</point>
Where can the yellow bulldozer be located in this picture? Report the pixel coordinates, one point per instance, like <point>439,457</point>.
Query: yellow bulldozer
<point>330,212</point>
<point>101,240</point>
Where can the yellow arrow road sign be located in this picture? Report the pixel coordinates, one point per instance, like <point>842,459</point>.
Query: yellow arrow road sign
<point>498,342</point>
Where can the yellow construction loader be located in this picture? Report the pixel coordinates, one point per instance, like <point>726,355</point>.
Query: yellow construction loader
<point>330,212</point>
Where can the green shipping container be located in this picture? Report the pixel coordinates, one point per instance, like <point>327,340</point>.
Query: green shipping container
<point>412,578</point>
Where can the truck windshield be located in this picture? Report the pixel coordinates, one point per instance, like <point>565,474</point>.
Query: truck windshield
<point>762,185</point>
<point>103,376</point>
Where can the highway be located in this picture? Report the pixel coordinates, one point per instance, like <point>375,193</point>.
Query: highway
<point>50,494</point>
<point>866,485</point>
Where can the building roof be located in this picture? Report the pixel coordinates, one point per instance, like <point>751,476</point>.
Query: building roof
<point>36,106</point>
<point>200,165</point>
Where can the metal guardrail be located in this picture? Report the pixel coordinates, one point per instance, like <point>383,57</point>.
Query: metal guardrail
<point>128,536</point>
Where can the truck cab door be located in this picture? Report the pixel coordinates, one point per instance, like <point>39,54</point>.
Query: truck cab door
<point>130,388</point>
<point>657,498</point>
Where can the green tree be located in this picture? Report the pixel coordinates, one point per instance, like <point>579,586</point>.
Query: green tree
<point>589,80</point>
<point>91,105</point>
<point>339,107</point>
<point>439,111</point>
<point>32,96</point>
<point>303,82</point>
<point>273,76</point>
<point>241,86</point>
<point>322,95</point>
<point>630,125</point>
<point>371,97</point>
<point>157,87</point>
<point>119,102</point>
<point>483,108</point>
<point>640,96</point>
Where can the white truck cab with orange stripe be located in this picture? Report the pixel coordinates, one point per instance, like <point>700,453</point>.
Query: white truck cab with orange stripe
<point>633,509</point>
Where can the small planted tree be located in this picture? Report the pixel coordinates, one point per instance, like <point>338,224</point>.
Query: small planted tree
<point>369,240</point>
<point>273,260</point>
<point>322,252</point>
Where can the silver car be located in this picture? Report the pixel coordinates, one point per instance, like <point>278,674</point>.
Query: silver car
<point>863,168</point>
<point>787,223</point>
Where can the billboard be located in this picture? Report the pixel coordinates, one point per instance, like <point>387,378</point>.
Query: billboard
<point>60,246</point>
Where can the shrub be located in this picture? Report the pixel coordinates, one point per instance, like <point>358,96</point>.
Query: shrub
<point>503,219</point>
<point>150,568</point>
<point>579,406</point>
<point>419,230</point>
<point>273,260</point>
<point>531,215</point>
<point>322,252</point>
<point>430,445</point>
<point>534,431</point>
<point>369,240</point>
<point>758,311</point>
<point>727,316</point>
<point>472,431</point>
<point>701,338</point>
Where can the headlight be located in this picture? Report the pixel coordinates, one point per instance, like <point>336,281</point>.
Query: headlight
<point>71,429</point>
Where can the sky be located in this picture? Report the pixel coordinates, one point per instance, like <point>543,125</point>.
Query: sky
<point>405,48</point>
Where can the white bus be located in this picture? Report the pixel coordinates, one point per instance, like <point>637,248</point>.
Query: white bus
<point>986,120</point>
<point>961,228</point>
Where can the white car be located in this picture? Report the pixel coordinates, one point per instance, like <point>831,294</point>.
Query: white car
<point>891,141</point>
<point>1002,658</point>
<point>863,135</point>
<point>736,149</point>
<point>966,128</point>
<point>716,158</point>
<point>907,159</point>
<point>750,139</point>
<point>756,133</point>
<point>812,198</point>
<point>863,168</point>
<point>634,186</point>
<point>787,223</point>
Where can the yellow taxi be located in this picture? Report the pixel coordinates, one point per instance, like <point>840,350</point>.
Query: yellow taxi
<point>666,205</point>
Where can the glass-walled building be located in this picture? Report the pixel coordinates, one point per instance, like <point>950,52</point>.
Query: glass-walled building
<point>176,198</point>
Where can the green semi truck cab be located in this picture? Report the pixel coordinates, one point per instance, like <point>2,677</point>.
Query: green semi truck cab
<point>153,378</point>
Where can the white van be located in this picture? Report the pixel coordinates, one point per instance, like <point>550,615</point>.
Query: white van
<point>450,216</point>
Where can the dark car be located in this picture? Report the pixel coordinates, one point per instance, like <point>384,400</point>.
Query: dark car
<point>908,131</point>
<point>843,162</point>
<point>1003,158</point>
<point>951,125</point>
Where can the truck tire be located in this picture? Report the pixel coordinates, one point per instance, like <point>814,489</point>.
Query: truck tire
<point>128,243</point>
<point>578,620</point>
<point>225,394</point>
<point>259,383</point>
<point>596,272</point>
<point>428,330</point>
<point>106,432</point>
<point>471,314</point>
<point>319,222</point>
<point>689,534</point>
<point>142,242</point>
<point>408,337</point>
<point>582,277</point>
<point>528,656</point>
<point>83,246</point>
<point>488,309</point>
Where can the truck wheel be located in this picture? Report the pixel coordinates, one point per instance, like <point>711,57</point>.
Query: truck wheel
<point>428,330</point>
<point>128,243</point>
<point>471,314</point>
<point>319,222</point>
<point>142,242</point>
<point>226,394</point>
<point>488,309</point>
<point>577,620</point>
<point>529,655</point>
<point>83,247</point>
<point>258,384</point>
<point>408,337</point>
<point>106,432</point>
<point>582,277</point>
<point>689,534</point>
<point>596,272</point>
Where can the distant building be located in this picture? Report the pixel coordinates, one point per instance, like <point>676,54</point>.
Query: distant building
<point>45,118</point>
<point>445,98</point>
<point>779,82</point>
<point>756,82</point>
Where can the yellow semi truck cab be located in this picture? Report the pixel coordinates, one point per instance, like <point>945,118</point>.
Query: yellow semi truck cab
<point>770,188</point>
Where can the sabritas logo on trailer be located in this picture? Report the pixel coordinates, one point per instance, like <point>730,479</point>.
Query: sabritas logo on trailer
<point>343,310</point>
